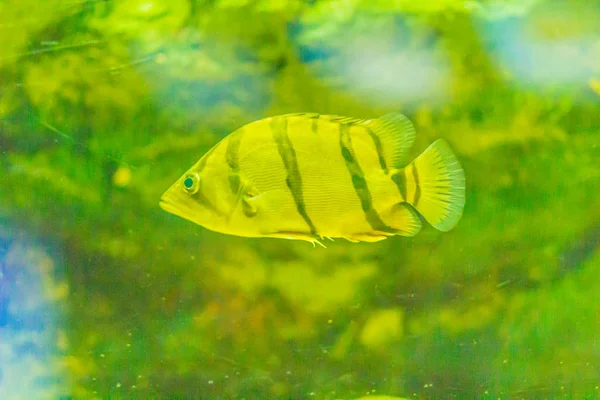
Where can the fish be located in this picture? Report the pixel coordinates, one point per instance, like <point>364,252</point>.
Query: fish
<point>595,85</point>
<point>307,176</point>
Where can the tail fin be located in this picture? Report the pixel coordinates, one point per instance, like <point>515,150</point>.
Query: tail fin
<point>436,186</point>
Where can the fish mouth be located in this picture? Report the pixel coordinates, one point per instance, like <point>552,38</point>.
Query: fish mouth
<point>168,204</point>
<point>180,205</point>
<point>176,206</point>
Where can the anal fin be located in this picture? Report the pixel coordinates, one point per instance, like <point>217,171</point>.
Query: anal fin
<point>403,218</point>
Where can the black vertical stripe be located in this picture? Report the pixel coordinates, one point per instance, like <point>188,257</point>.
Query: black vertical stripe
<point>199,196</point>
<point>286,150</point>
<point>417,187</point>
<point>232,156</point>
<point>359,182</point>
<point>378,148</point>
<point>314,125</point>
<point>399,178</point>
<point>204,159</point>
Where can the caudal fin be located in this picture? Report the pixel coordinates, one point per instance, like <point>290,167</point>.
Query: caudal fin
<point>436,186</point>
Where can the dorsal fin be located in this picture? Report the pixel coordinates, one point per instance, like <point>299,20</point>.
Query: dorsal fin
<point>326,117</point>
<point>395,132</point>
<point>397,135</point>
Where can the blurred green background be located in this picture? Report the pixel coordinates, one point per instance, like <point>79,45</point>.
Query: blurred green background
<point>103,104</point>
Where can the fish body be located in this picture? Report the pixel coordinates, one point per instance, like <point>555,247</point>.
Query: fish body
<point>310,176</point>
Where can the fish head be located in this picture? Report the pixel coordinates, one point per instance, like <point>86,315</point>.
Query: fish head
<point>201,195</point>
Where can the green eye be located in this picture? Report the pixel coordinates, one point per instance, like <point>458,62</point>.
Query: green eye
<point>190,184</point>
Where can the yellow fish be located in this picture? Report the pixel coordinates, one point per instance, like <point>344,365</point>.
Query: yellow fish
<point>310,176</point>
<point>595,85</point>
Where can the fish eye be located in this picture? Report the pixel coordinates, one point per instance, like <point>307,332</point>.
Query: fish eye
<point>190,183</point>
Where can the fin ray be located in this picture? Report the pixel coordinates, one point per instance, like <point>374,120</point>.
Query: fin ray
<point>366,237</point>
<point>307,237</point>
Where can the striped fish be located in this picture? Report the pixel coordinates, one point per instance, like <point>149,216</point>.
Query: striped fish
<point>310,176</point>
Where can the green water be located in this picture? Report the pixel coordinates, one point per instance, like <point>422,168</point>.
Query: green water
<point>103,104</point>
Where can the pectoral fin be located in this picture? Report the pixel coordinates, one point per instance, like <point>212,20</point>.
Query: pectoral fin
<point>249,208</point>
<point>245,194</point>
